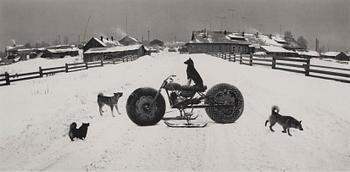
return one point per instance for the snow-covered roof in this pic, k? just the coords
(330, 53)
(205, 36)
(129, 40)
(62, 50)
(260, 53)
(269, 41)
(15, 47)
(309, 53)
(107, 43)
(113, 49)
(276, 49)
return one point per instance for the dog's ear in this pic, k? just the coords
(300, 121)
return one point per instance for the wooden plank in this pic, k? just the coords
(292, 60)
(290, 65)
(24, 74)
(53, 72)
(330, 73)
(263, 60)
(53, 68)
(329, 78)
(327, 67)
(263, 64)
(290, 70)
(2, 80)
(21, 79)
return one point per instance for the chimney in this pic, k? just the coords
(107, 38)
(112, 38)
(225, 32)
(270, 36)
(243, 34)
(101, 38)
(257, 34)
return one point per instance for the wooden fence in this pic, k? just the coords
(291, 64)
(7, 79)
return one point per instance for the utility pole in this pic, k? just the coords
(87, 23)
(148, 35)
(126, 24)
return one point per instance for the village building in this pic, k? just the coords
(330, 54)
(100, 42)
(278, 51)
(156, 43)
(218, 41)
(342, 57)
(60, 52)
(114, 53)
(308, 54)
(128, 40)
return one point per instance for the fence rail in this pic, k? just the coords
(7, 79)
(290, 64)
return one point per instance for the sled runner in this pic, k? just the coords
(223, 103)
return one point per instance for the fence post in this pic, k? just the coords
(86, 65)
(7, 78)
(273, 63)
(234, 57)
(251, 59)
(225, 57)
(40, 71)
(101, 62)
(241, 59)
(66, 67)
(307, 67)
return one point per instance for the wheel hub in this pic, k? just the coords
(146, 107)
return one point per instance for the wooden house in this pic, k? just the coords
(218, 41)
(100, 42)
(114, 53)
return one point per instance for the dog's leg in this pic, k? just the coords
(116, 107)
(112, 110)
(288, 132)
(100, 109)
(284, 130)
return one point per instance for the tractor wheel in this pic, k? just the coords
(224, 94)
(142, 109)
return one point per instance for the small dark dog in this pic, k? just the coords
(79, 133)
(286, 122)
(110, 101)
(192, 73)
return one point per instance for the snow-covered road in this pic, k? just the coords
(35, 116)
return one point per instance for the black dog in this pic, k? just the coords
(192, 73)
(80, 132)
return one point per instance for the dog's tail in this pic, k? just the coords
(275, 109)
(266, 122)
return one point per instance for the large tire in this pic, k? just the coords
(222, 94)
(140, 109)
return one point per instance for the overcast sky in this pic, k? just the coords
(43, 20)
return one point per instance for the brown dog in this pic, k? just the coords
(110, 101)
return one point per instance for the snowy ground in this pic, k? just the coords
(35, 116)
(32, 65)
